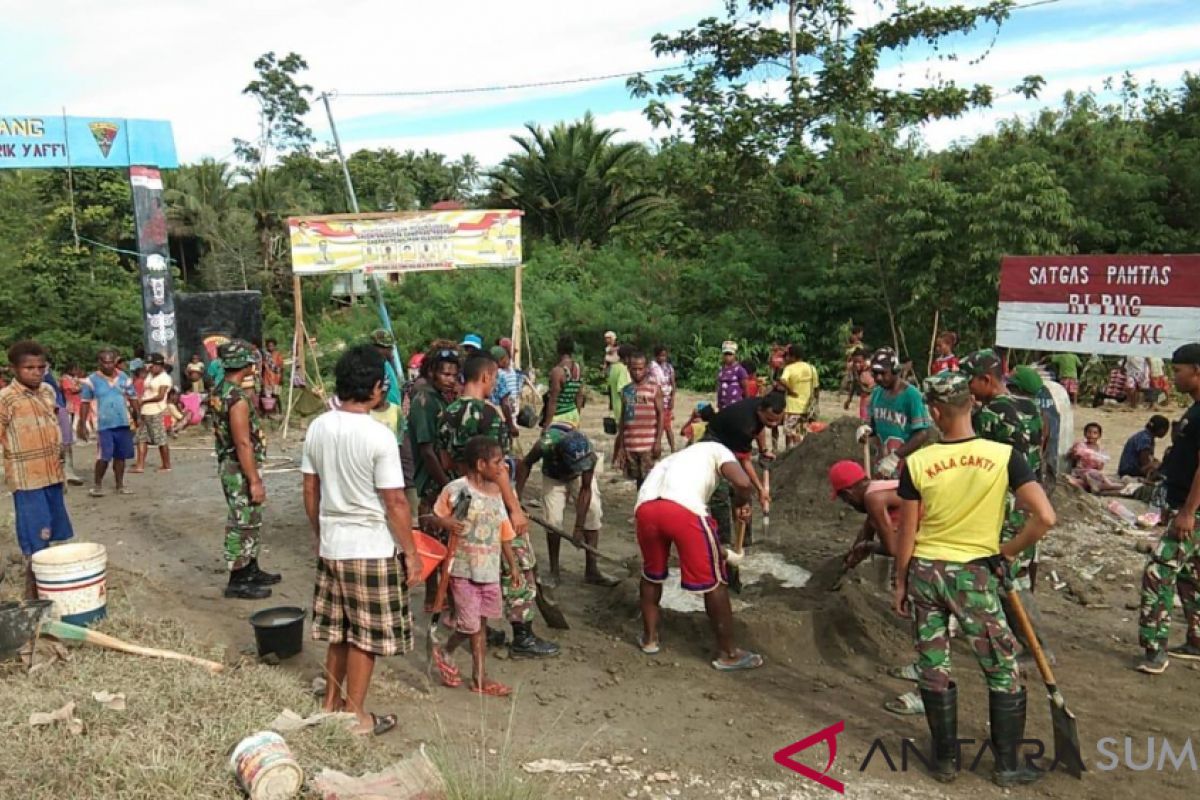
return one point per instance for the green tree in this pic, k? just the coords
(572, 182)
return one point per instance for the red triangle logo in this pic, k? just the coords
(829, 735)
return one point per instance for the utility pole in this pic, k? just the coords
(384, 317)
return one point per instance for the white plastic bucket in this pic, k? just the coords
(74, 577)
(264, 767)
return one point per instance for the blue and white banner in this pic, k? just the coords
(29, 141)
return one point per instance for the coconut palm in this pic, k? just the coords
(573, 183)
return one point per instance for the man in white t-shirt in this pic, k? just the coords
(153, 406)
(361, 523)
(672, 508)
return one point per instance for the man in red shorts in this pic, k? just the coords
(672, 508)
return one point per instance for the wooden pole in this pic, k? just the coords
(297, 349)
(518, 316)
(937, 313)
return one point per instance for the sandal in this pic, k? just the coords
(906, 673)
(446, 668)
(1187, 651)
(123, 490)
(136, 471)
(379, 725)
(649, 649)
(908, 704)
(94, 492)
(746, 660)
(492, 689)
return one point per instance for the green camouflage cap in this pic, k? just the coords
(947, 387)
(981, 362)
(236, 354)
(382, 338)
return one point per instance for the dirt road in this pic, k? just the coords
(705, 734)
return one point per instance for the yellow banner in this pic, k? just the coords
(405, 242)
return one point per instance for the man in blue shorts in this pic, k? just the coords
(32, 445)
(110, 390)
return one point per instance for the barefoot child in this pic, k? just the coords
(483, 536)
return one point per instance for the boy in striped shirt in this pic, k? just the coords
(639, 439)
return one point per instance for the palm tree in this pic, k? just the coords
(572, 182)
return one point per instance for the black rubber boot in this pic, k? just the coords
(495, 637)
(526, 644)
(241, 586)
(260, 578)
(1007, 712)
(941, 712)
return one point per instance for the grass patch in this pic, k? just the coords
(174, 739)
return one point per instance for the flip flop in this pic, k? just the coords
(649, 649)
(123, 490)
(746, 660)
(908, 704)
(93, 492)
(380, 725)
(450, 675)
(1187, 651)
(607, 581)
(492, 689)
(136, 471)
(906, 673)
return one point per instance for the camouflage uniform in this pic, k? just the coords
(244, 521)
(971, 593)
(461, 420)
(1172, 561)
(1014, 421)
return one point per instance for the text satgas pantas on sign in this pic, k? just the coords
(1113, 305)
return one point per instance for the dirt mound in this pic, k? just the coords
(800, 477)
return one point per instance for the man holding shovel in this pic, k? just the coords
(568, 473)
(672, 508)
(948, 564)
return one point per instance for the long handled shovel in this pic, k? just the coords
(739, 539)
(1066, 734)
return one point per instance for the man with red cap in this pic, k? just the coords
(879, 500)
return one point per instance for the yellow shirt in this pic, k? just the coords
(799, 377)
(962, 488)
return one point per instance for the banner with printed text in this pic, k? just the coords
(408, 242)
(1112, 305)
(33, 141)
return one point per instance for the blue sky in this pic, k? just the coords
(186, 61)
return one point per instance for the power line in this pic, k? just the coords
(510, 86)
(567, 81)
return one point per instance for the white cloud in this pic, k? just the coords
(187, 60)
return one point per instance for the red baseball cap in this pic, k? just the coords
(843, 475)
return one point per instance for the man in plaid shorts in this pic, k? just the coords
(362, 533)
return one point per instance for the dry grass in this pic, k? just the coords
(174, 739)
(484, 766)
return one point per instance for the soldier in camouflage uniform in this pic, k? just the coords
(241, 449)
(1015, 421)
(949, 562)
(1176, 558)
(473, 415)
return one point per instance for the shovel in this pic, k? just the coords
(1066, 734)
(573, 541)
(735, 572)
(766, 512)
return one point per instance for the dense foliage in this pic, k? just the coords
(760, 217)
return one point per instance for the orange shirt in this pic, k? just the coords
(31, 438)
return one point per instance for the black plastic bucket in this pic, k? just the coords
(279, 630)
(18, 624)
